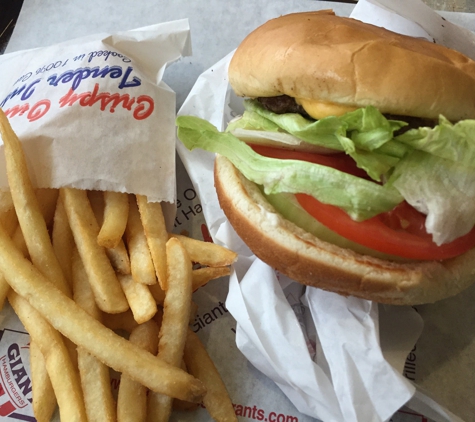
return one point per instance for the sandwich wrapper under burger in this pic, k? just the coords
(346, 363)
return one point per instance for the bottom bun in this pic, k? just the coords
(313, 262)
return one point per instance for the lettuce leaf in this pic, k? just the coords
(442, 189)
(454, 142)
(438, 177)
(356, 133)
(361, 199)
(253, 121)
(369, 129)
(431, 168)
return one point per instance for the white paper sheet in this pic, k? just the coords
(94, 113)
(416, 19)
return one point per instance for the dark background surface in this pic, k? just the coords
(9, 10)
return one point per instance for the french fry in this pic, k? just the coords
(177, 304)
(118, 255)
(82, 291)
(44, 399)
(104, 283)
(19, 241)
(27, 208)
(119, 258)
(73, 322)
(6, 203)
(7, 212)
(9, 220)
(155, 230)
(126, 322)
(36, 235)
(184, 405)
(141, 264)
(199, 363)
(202, 252)
(157, 293)
(202, 276)
(95, 381)
(63, 241)
(207, 253)
(176, 316)
(47, 199)
(95, 378)
(4, 289)
(63, 376)
(141, 301)
(132, 396)
(116, 210)
(120, 322)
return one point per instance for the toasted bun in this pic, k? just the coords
(320, 56)
(311, 261)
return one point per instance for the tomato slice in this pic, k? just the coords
(339, 160)
(399, 232)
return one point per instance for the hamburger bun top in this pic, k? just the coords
(318, 56)
(311, 261)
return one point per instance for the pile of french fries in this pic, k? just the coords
(78, 267)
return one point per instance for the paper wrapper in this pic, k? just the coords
(94, 113)
(335, 358)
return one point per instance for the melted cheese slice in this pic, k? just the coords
(319, 110)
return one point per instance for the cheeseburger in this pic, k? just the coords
(352, 168)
